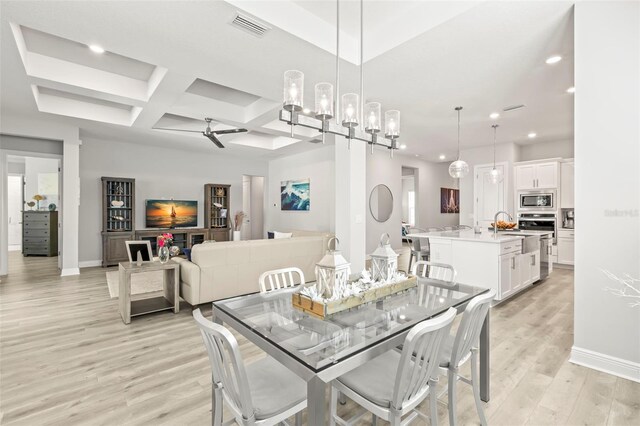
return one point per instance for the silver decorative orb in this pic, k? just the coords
(495, 176)
(458, 169)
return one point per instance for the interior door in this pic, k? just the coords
(15, 206)
(489, 197)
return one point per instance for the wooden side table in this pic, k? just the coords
(170, 286)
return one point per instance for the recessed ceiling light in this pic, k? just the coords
(95, 48)
(494, 115)
(571, 89)
(417, 155)
(554, 59)
(532, 135)
(306, 110)
(403, 146)
(442, 157)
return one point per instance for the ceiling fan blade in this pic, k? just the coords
(213, 139)
(177, 130)
(224, 132)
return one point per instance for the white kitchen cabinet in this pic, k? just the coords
(529, 268)
(536, 176)
(566, 185)
(566, 247)
(509, 275)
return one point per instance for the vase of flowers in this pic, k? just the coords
(165, 241)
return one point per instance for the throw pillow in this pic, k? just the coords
(187, 252)
(277, 235)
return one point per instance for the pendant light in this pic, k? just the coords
(459, 168)
(495, 176)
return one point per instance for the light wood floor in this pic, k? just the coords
(67, 358)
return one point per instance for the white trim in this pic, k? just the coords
(89, 263)
(70, 271)
(606, 363)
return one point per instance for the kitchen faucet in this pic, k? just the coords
(495, 222)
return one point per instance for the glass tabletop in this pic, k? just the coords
(320, 343)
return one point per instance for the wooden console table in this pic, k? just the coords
(170, 287)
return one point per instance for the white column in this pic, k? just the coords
(4, 221)
(350, 200)
(70, 206)
(607, 185)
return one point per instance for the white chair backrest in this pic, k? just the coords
(434, 271)
(414, 373)
(227, 367)
(415, 242)
(435, 229)
(469, 330)
(280, 278)
(462, 227)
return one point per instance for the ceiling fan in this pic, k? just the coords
(211, 134)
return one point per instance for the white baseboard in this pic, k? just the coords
(90, 263)
(608, 364)
(70, 271)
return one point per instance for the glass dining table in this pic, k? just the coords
(320, 350)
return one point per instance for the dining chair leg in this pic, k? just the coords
(395, 419)
(333, 409)
(341, 398)
(475, 383)
(374, 420)
(410, 261)
(433, 403)
(452, 377)
(298, 419)
(216, 405)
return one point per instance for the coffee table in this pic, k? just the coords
(170, 300)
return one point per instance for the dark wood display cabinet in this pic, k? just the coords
(217, 211)
(182, 237)
(118, 218)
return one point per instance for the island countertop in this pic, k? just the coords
(485, 237)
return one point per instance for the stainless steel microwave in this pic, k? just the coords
(538, 200)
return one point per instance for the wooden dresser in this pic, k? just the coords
(40, 233)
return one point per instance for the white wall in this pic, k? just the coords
(607, 154)
(408, 185)
(429, 178)
(159, 173)
(316, 164)
(542, 150)
(507, 152)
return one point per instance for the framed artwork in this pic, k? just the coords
(294, 195)
(143, 247)
(449, 200)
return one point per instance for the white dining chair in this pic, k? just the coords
(463, 347)
(275, 393)
(433, 270)
(393, 384)
(280, 278)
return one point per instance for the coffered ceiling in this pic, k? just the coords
(185, 61)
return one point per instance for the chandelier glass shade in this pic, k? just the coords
(293, 90)
(372, 117)
(324, 101)
(392, 124)
(350, 109)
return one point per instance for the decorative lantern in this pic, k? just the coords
(384, 261)
(332, 271)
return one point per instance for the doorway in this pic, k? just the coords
(253, 207)
(15, 195)
(409, 196)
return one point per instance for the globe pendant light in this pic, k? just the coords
(459, 168)
(495, 176)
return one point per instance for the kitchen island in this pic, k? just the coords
(507, 262)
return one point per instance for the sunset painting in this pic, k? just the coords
(171, 214)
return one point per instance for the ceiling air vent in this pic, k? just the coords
(250, 25)
(513, 107)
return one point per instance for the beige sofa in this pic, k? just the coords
(232, 268)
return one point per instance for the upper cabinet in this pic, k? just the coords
(566, 185)
(536, 176)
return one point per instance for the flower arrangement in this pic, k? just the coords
(237, 223)
(165, 240)
(39, 198)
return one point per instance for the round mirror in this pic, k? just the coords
(381, 203)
